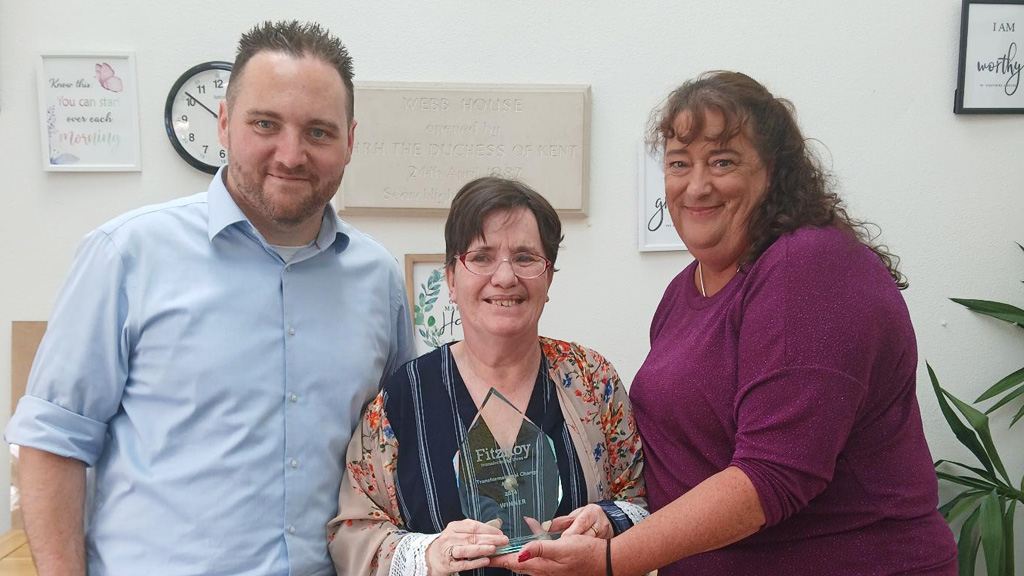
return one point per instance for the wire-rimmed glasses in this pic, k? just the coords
(525, 265)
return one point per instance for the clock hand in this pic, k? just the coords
(201, 104)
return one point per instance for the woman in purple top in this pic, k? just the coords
(777, 405)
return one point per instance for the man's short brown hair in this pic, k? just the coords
(298, 39)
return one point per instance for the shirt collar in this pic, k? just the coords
(224, 212)
(333, 230)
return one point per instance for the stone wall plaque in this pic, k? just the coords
(417, 144)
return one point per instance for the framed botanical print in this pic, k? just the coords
(435, 317)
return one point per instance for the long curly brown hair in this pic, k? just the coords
(800, 192)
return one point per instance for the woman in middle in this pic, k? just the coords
(399, 506)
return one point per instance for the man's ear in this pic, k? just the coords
(222, 123)
(351, 140)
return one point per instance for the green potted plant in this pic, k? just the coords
(987, 496)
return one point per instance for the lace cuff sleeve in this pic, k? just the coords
(411, 555)
(634, 512)
(622, 515)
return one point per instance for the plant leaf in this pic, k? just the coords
(1018, 416)
(979, 422)
(1008, 531)
(961, 503)
(945, 508)
(963, 434)
(1002, 386)
(1006, 400)
(992, 533)
(967, 544)
(982, 473)
(965, 481)
(1004, 312)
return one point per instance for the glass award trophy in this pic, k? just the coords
(506, 470)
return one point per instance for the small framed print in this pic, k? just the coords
(435, 318)
(655, 231)
(991, 58)
(88, 111)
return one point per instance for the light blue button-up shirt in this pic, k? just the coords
(212, 386)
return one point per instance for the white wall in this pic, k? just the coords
(872, 80)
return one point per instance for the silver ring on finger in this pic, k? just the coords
(450, 553)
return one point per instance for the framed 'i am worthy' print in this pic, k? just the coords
(991, 58)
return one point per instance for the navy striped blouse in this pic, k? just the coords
(430, 410)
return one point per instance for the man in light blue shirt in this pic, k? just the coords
(209, 357)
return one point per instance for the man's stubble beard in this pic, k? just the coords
(289, 216)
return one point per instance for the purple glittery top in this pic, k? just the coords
(801, 373)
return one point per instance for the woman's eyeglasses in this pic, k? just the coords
(524, 264)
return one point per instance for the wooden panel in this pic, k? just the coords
(21, 552)
(17, 567)
(25, 338)
(11, 541)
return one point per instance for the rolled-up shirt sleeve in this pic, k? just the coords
(81, 367)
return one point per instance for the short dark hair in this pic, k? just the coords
(482, 197)
(298, 39)
(800, 193)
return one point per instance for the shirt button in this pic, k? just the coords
(293, 398)
(291, 330)
(291, 529)
(294, 463)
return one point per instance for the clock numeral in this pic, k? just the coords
(218, 83)
(191, 137)
(190, 101)
(205, 149)
(202, 89)
(223, 154)
(184, 117)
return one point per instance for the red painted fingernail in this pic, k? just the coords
(525, 556)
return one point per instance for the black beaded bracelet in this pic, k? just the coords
(608, 558)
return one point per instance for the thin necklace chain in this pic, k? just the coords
(700, 276)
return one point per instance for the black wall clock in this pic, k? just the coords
(191, 115)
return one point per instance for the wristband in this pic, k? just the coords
(608, 558)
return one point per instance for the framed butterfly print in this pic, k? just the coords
(88, 111)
